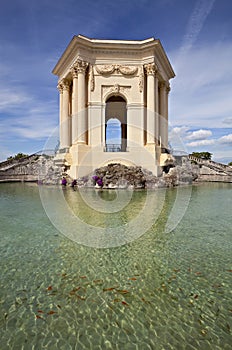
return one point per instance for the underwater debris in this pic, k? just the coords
(51, 312)
(125, 303)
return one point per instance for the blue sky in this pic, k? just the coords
(196, 35)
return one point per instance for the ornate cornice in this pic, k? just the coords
(110, 69)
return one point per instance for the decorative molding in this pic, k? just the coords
(115, 90)
(106, 69)
(110, 69)
(127, 70)
(141, 79)
(91, 78)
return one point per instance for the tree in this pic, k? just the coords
(17, 156)
(230, 163)
(202, 155)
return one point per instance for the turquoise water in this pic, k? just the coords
(163, 290)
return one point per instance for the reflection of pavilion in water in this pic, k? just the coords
(113, 104)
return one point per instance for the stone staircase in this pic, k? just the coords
(212, 171)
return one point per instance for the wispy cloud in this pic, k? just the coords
(227, 139)
(10, 99)
(228, 121)
(196, 22)
(199, 135)
(200, 143)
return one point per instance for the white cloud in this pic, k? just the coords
(196, 22)
(227, 120)
(10, 99)
(199, 135)
(201, 143)
(227, 139)
(179, 131)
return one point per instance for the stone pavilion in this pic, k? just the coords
(113, 104)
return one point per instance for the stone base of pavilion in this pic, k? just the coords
(81, 159)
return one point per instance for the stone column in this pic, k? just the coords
(75, 106)
(60, 88)
(151, 101)
(64, 114)
(156, 93)
(166, 114)
(81, 106)
(163, 117)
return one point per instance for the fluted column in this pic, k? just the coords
(60, 88)
(63, 87)
(163, 120)
(156, 94)
(150, 70)
(80, 67)
(166, 114)
(75, 106)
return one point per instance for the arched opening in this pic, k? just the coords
(113, 135)
(116, 125)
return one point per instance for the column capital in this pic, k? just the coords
(60, 87)
(79, 66)
(151, 68)
(162, 85)
(74, 72)
(168, 88)
(64, 84)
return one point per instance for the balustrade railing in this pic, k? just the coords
(113, 148)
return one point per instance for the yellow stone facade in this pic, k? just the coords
(102, 81)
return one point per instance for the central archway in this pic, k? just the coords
(116, 124)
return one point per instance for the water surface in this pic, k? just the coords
(163, 290)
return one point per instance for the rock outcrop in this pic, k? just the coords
(117, 175)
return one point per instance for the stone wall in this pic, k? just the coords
(42, 169)
(35, 168)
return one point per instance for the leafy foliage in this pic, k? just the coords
(17, 156)
(202, 155)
